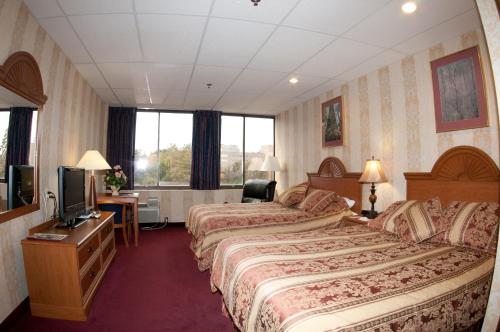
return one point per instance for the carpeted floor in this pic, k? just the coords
(154, 287)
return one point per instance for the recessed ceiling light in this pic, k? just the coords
(293, 80)
(409, 7)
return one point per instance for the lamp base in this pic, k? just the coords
(369, 214)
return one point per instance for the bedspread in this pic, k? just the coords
(349, 279)
(211, 223)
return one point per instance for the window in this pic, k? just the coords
(163, 149)
(4, 128)
(245, 140)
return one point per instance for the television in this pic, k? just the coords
(21, 186)
(71, 194)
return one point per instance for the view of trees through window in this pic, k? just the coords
(253, 143)
(4, 128)
(163, 149)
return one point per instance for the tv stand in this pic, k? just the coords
(63, 276)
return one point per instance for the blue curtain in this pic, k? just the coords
(205, 165)
(18, 137)
(121, 140)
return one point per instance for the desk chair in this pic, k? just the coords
(122, 218)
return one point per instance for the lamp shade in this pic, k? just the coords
(271, 163)
(92, 160)
(373, 172)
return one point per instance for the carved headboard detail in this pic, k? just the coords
(332, 175)
(463, 173)
(20, 73)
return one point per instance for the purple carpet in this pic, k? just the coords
(154, 287)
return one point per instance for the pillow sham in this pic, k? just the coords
(319, 200)
(473, 225)
(293, 195)
(420, 221)
(385, 220)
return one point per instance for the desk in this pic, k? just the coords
(132, 198)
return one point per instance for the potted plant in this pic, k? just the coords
(115, 179)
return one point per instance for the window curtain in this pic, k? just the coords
(18, 137)
(205, 165)
(121, 141)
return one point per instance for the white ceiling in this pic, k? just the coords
(162, 53)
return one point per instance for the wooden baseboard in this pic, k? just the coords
(22, 309)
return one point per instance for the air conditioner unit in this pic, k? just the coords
(150, 212)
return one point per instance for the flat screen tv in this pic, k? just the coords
(21, 186)
(71, 193)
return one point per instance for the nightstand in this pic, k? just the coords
(354, 220)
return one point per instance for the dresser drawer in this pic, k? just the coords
(90, 276)
(108, 228)
(108, 249)
(87, 250)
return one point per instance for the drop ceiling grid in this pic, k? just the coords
(282, 14)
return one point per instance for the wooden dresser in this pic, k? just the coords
(63, 276)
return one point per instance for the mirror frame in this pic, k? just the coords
(21, 75)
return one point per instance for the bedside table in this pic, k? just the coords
(354, 220)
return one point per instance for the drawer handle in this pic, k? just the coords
(92, 274)
(89, 250)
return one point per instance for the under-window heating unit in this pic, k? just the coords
(150, 212)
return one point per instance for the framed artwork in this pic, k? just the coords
(459, 96)
(332, 122)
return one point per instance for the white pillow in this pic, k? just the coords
(350, 202)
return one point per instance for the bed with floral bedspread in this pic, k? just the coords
(349, 279)
(211, 223)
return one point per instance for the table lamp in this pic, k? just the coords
(92, 161)
(373, 173)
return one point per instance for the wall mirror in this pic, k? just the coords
(21, 101)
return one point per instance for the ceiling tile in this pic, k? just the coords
(132, 97)
(325, 87)
(256, 81)
(445, 31)
(201, 100)
(383, 59)
(342, 54)
(44, 8)
(272, 11)
(235, 101)
(60, 30)
(331, 16)
(109, 38)
(170, 38)
(125, 75)
(79, 7)
(390, 26)
(168, 76)
(174, 99)
(92, 75)
(288, 48)
(219, 77)
(293, 90)
(232, 43)
(107, 96)
(183, 7)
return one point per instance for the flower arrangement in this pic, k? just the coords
(115, 178)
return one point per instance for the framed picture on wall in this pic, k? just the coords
(332, 122)
(459, 96)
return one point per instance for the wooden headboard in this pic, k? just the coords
(463, 173)
(332, 175)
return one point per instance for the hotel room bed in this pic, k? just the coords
(211, 223)
(358, 278)
(349, 278)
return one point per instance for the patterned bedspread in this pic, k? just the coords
(211, 223)
(349, 279)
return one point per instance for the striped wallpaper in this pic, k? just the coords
(389, 113)
(72, 121)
